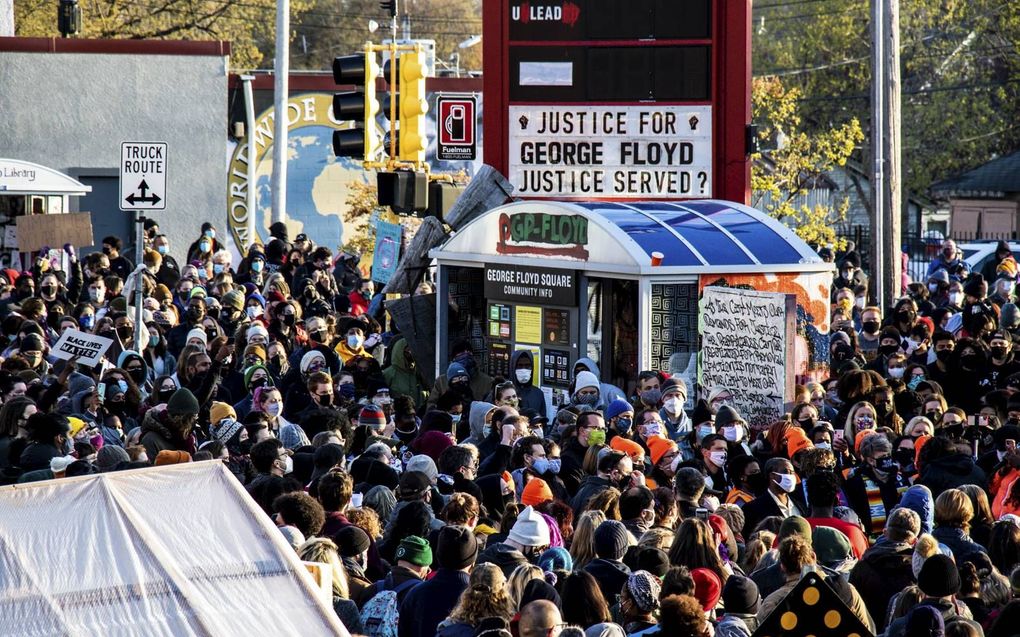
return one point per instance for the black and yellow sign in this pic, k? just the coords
(812, 609)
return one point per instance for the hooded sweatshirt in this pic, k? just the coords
(403, 380)
(530, 396)
(950, 472)
(607, 391)
(919, 500)
(476, 419)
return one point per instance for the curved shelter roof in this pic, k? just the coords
(700, 237)
(25, 178)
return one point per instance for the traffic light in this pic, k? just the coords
(412, 107)
(69, 18)
(360, 106)
(404, 191)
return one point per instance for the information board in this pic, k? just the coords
(528, 324)
(657, 151)
(747, 348)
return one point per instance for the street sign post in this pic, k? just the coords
(143, 167)
(458, 139)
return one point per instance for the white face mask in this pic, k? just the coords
(896, 372)
(822, 445)
(254, 311)
(955, 298)
(653, 430)
(673, 405)
(274, 409)
(859, 302)
(523, 376)
(354, 341)
(288, 465)
(718, 458)
(733, 434)
(786, 482)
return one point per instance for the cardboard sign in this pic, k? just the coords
(89, 348)
(35, 232)
(747, 348)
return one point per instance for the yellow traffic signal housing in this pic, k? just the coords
(413, 106)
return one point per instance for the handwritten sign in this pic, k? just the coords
(89, 348)
(747, 348)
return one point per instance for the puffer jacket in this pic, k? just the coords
(156, 435)
(919, 500)
(951, 472)
(736, 625)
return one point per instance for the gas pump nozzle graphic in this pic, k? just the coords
(454, 124)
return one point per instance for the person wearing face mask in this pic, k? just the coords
(49, 437)
(586, 390)
(620, 420)
(733, 428)
(177, 337)
(169, 272)
(875, 486)
(938, 288)
(590, 430)
(868, 338)
(944, 343)
(1002, 361)
(663, 453)
(777, 498)
(522, 365)
(674, 418)
(232, 311)
(947, 259)
(966, 369)
(269, 401)
(119, 264)
(614, 469)
(890, 342)
(273, 464)
(714, 455)
(32, 350)
(255, 376)
(205, 245)
(133, 363)
(402, 376)
(461, 353)
(748, 480)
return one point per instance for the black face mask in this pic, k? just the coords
(998, 352)
(624, 482)
(888, 350)
(904, 457)
(165, 394)
(195, 314)
(756, 483)
(227, 317)
(933, 416)
(326, 401)
(288, 319)
(944, 355)
(124, 332)
(870, 327)
(905, 316)
(970, 361)
(210, 334)
(258, 382)
(137, 375)
(48, 290)
(406, 436)
(883, 409)
(807, 423)
(886, 464)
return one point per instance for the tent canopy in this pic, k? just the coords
(25, 178)
(175, 550)
(702, 236)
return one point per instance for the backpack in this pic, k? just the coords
(381, 613)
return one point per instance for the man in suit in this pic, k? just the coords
(778, 499)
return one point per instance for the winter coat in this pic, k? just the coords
(884, 570)
(455, 629)
(403, 380)
(480, 383)
(37, 455)
(856, 490)
(590, 487)
(572, 464)
(429, 603)
(476, 420)
(610, 575)
(506, 557)
(736, 625)
(156, 436)
(964, 548)
(950, 472)
(949, 614)
(529, 395)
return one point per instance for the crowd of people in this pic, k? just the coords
(461, 507)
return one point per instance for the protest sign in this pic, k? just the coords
(35, 232)
(89, 348)
(747, 348)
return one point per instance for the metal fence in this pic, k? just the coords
(921, 249)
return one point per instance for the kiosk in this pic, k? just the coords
(618, 283)
(31, 189)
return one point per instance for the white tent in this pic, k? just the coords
(177, 550)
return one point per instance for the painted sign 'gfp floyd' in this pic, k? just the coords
(543, 234)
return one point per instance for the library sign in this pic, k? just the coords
(640, 152)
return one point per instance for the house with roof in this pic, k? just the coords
(984, 201)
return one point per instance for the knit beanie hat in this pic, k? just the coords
(415, 550)
(457, 548)
(617, 407)
(431, 444)
(536, 492)
(540, 589)
(198, 333)
(611, 540)
(310, 357)
(233, 299)
(644, 589)
(530, 529)
(727, 416)
(796, 440)
(250, 371)
(169, 456)
(586, 379)
(627, 446)
(556, 558)
(456, 370)
(425, 465)
(59, 464)
(218, 411)
(659, 446)
(653, 560)
(939, 577)
(182, 402)
(225, 430)
(352, 541)
(675, 384)
(604, 629)
(110, 456)
(976, 286)
(740, 595)
(707, 588)
(373, 416)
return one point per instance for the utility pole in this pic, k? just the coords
(281, 70)
(878, 244)
(249, 197)
(892, 197)
(6, 18)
